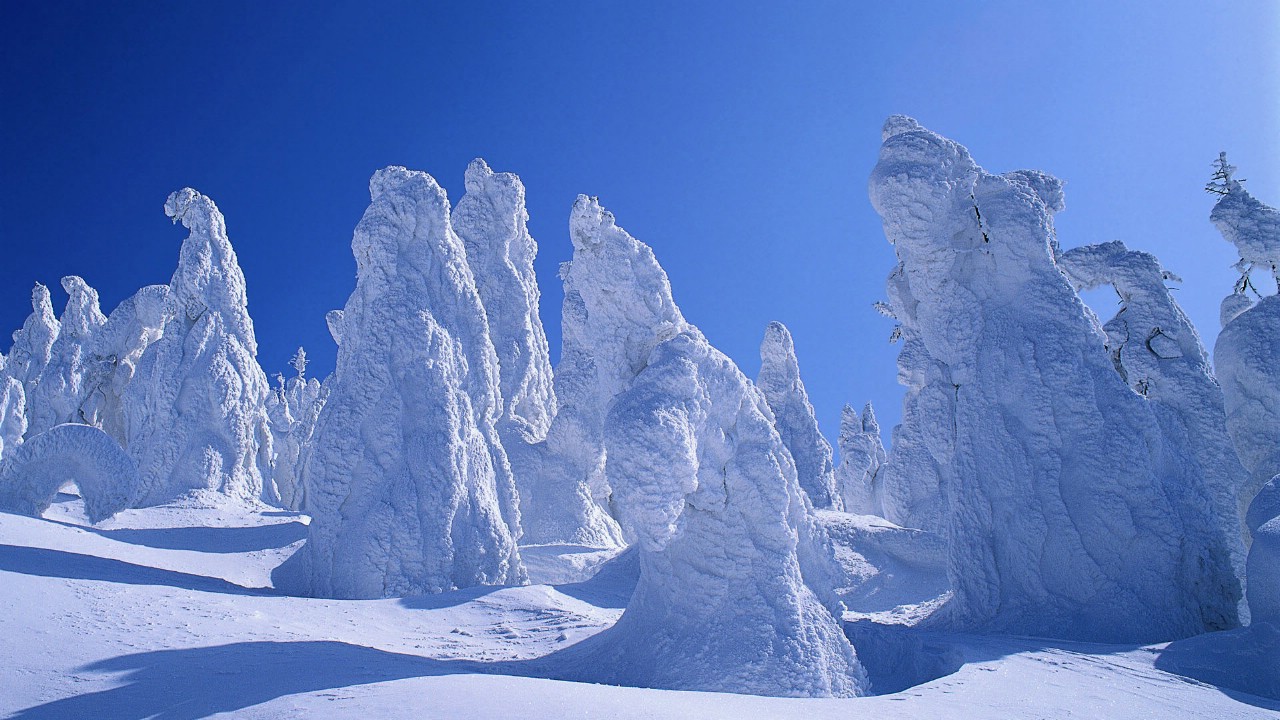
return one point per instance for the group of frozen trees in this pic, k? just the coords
(1093, 480)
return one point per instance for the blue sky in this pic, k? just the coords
(735, 138)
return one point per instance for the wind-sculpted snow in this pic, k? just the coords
(62, 387)
(861, 457)
(1073, 508)
(33, 343)
(294, 407)
(1157, 351)
(1246, 355)
(407, 483)
(194, 410)
(779, 380)
(13, 414)
(31, 475)
(114, 354)
(735, 591)
(492, 222)
(1263, 570)
(617, 306)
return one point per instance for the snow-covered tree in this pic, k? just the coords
(407, 482)
(195, 409)
(113, 357)
(33, 343)
(62, 387)
(779, 380)
(861, 457)
(13, 414)
(1072, 509)
(734, 592)
(293, 408)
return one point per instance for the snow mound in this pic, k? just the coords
(862, 456)
(892, 575)
(194, 411)
(407, 482)
(735, 580)
(1072, 511)
(31, 475)
(779, 380)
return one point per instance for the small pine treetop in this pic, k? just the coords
(299, 362)
(1220, 183)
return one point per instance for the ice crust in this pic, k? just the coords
(862, 456)
(779, 380)
(1029, 414)
(408, 484)
(735, 583)
(194, 411)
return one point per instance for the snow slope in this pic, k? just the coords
(162, 612)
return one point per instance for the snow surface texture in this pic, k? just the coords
(31, 475)
(735, 580)
(61, 388)
(407, 482)
(862, 456)
(779, 380)
(114, 354)
(194, 410)
(492, 222)
(1038, 419)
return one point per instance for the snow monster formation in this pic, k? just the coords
(1072, 511)
(194, 411)
(734, 590)
(1263, 570)
(114, 354)
(13, 413)
(407, 483)
(294, 407)
(861, 457)
(31, 475)
(62, 387)
(492, 223)
(33, 343)
(779, 380)
(1246, 355)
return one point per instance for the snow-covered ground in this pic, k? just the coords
(167, 613)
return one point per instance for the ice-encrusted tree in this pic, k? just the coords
(1263, 570)
(63, 385)
(32, 474)
(195, 409)
(492, 222)
(779, 380)
(1072, 511)
(293, 408)
(407, 482)
(33, 343)
(735, 576)
(13, 413)
(113, 357)
(861, 457)
(1246, 356)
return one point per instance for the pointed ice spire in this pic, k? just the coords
(194, 411)
(861, 456)
(57, 397)
(779, 380)
(406, 480)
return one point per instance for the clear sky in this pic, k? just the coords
(735, 138)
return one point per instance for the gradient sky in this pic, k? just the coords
(735, 138)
